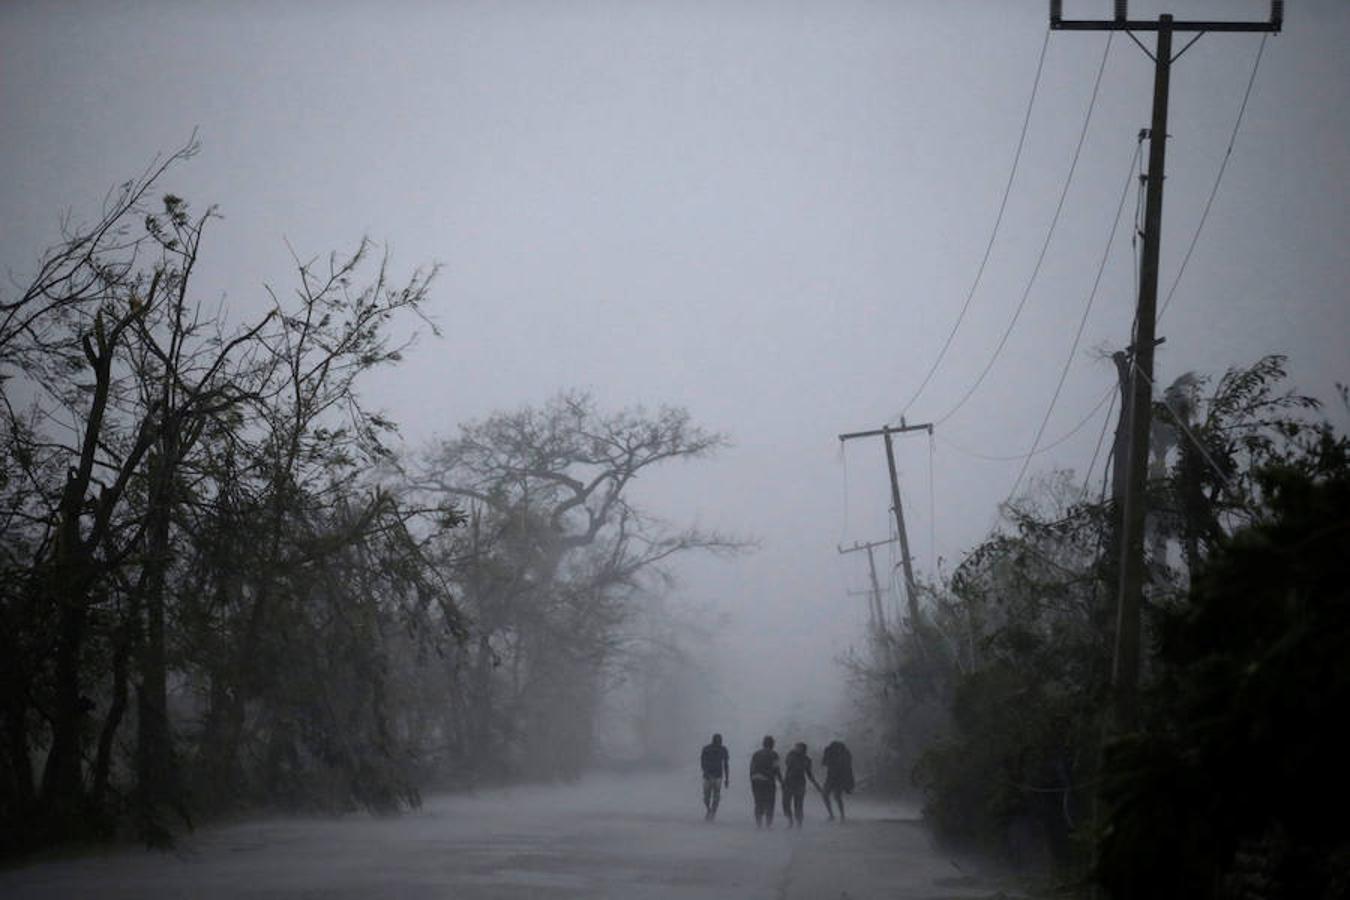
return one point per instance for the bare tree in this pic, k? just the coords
(558, 552)
(152, 454)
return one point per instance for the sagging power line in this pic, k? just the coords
(993, 233)
(1045, 244)
(1082, 322)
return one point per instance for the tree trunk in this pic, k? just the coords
(233, 695)
(63, 777)
(116, 710)
(224, 717)
(480, 700)
(67, 586)
(14, 720)
(156, 778)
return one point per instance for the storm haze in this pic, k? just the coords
(776, 216)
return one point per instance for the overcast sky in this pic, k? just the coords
(768, 212)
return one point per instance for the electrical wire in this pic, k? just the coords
(1218, 178)
(1190, 249)
(932, 513)
(1018, 457)
(1138, 224)
(1082, 322)
(1049, 234)
(1101, 439)
(1101, 532)
(998, 220)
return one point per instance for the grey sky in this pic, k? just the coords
(769, 212)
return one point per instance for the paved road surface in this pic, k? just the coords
(639, 837)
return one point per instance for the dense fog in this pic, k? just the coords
(405, 403)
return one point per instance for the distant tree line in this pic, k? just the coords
(222, 587)
(997, 703)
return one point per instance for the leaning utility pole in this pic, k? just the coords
(911, 590)
(1125, 670)
(878, 611)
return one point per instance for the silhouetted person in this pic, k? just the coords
(796, 773)
(765, 775)
(716, 764)
(838, 763)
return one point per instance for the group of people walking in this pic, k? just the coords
(768, 773)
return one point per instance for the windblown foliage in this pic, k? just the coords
(1225, 790)
(1010, 667)
(218, 590)
(204, 586)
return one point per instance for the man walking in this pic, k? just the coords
(765, 776)
(838, 763)
(716, 775)
(796, 773)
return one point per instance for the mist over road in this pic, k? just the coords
(637, 837)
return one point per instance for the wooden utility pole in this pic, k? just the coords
(1125, 670)
(878, 611)
(911, 590)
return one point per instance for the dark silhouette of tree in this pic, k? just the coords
(173, 488)
(1225, 791)
(1017, 658)
(555, 556)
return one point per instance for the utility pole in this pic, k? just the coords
(911, 590)
(1125, 669)
(878, 611)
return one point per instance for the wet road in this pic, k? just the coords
(639, 837)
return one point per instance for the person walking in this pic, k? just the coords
(838, 763)
(716, 763)
(765, 776)
(796, 773)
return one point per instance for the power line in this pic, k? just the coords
(1217, 178)
(1101, 438)
(1138, 220)
(1045, 246)
(1082, 322)
(932, 513)
(1101, 501)
(998, 220)
(1209, 203)
(1017, 457)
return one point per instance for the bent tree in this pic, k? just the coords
(170, 482)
